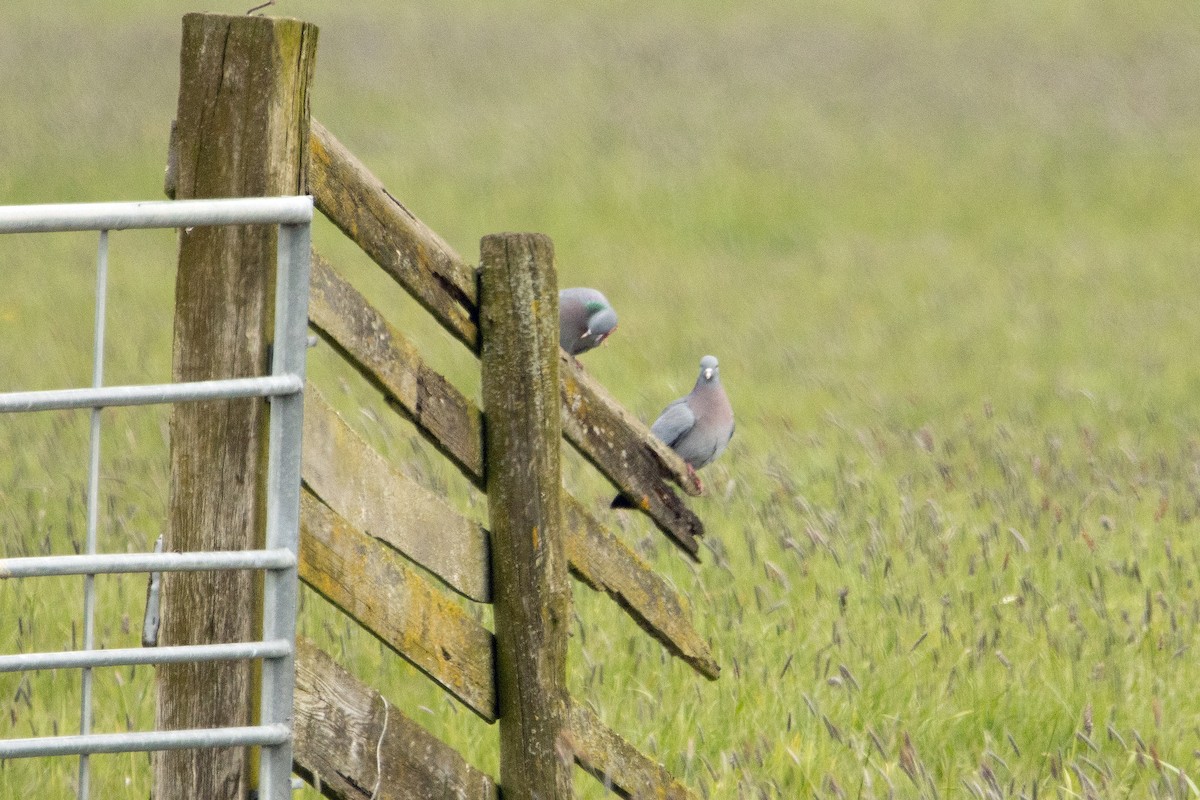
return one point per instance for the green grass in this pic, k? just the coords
(945, 253)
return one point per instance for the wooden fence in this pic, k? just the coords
(243, 128)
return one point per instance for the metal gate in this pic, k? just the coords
(284, 386)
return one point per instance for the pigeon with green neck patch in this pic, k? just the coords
(585, 319)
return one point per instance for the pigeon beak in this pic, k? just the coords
(708, 374)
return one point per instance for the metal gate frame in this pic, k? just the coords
(284, 386)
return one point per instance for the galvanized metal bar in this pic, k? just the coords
(141, 395)
(280, 588)
(123, 657)
(140, 741)
(279, 557)
(155, 214)
(93, 507)
(109, 563)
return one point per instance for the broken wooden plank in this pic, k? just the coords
(450, 421)
(377, 588)
(615, 762)
(368, 492)
(352, 744)
(356, 201)
(605, 563)
(627, 453)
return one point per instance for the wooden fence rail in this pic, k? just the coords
(397, 558)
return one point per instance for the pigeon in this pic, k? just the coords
(585, 319)
(697, 427)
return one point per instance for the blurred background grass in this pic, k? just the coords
(945, 252)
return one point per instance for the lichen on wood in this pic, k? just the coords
(365, 489)
(376, 587)
(532, 596)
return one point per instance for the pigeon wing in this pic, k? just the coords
(674, 422)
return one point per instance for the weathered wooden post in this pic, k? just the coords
(242, 131)
(519, 324)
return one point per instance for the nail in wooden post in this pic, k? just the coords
(242, 132)
(519, 325)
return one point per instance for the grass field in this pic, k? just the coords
(946, 253)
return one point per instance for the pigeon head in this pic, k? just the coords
(709, 373)
(585, 319)
(602, 321)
